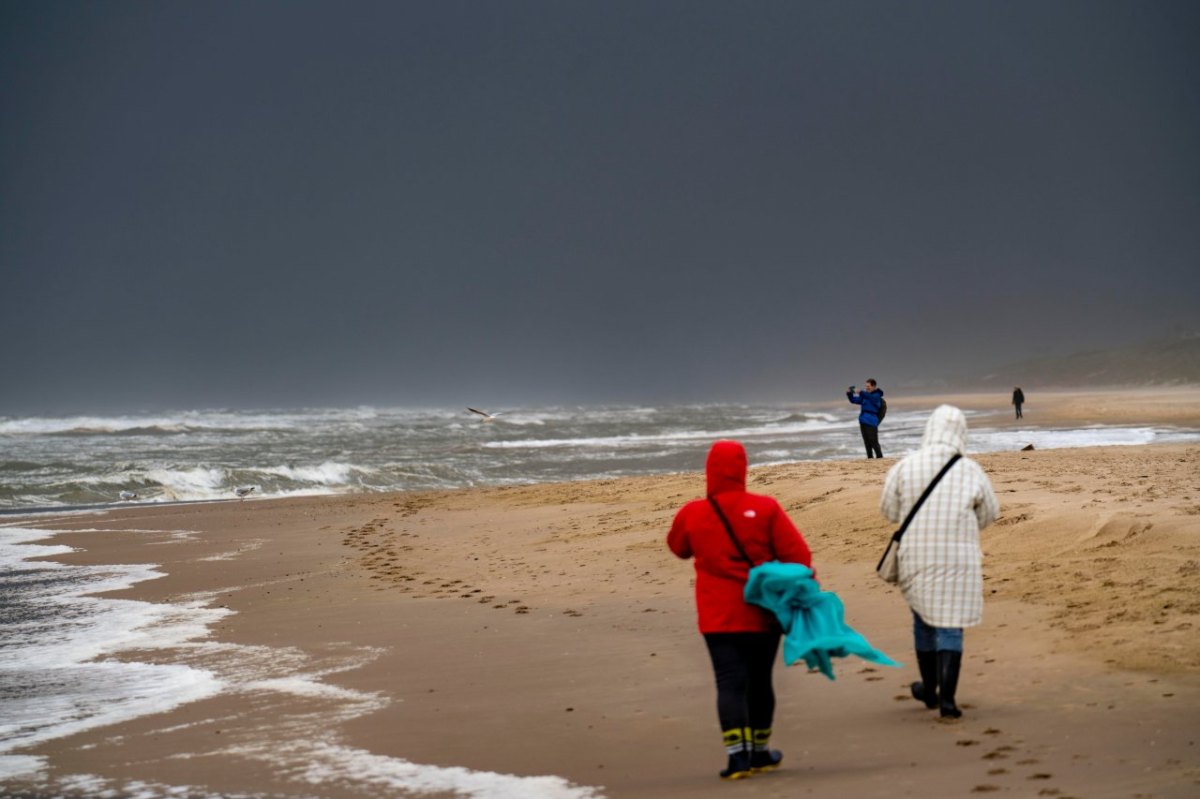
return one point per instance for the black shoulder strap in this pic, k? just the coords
(928, 491)
(729, 529)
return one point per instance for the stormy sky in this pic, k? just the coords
(232, 204)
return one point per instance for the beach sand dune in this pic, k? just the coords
(545, 630)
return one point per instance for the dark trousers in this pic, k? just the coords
(742, 664)
(1018, 409)
(870, 435)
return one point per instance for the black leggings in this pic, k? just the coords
(870, 435)
(742, 664)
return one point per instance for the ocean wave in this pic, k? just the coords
(327, 451)
(198, 482)
(776, 430)
(328, 473)
(190, 421)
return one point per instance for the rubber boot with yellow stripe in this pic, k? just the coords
(738, 746)
(763, 758)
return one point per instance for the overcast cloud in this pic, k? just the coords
(299, 203)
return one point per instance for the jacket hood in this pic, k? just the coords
(947, 426)
(726, 467)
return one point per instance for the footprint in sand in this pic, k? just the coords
(985, 788)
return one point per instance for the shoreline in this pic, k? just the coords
(543, 630)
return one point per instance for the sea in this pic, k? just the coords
(68, 654)
(62, 462)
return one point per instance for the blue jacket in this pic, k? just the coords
(870, 402)
(813, 623)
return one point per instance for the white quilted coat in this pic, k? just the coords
(941, 564)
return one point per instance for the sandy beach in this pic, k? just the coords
(382, 644)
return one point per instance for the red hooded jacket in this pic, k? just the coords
(762, 527)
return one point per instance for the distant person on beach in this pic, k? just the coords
(941, 563)
(1018, 401)
(742, 639)
(871, 400)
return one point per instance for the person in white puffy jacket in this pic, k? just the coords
(941, 563)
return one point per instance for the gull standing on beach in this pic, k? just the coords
(244, 491)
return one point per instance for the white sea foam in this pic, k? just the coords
(991, 440)
(198, 482)
(96, 787)
(23, 766)
(327, 763)
(767, 431)
(55, 683)
(1009, 439)
(329, 473)
(64, 700)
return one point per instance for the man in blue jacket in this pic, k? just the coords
(871, 399)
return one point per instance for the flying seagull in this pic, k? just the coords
(487, 417)
(243, 491)
(128, 495)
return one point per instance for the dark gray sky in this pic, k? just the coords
(499, 203)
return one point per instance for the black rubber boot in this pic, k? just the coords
(765, 760)
(949, 664)
(739, 766)
(927, 689)
(739, 745)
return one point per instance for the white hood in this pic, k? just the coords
(947, 426)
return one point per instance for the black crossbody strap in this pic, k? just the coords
(928, 491)
(729, 529)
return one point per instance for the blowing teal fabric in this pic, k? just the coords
(813, 621)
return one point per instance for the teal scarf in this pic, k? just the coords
(813, 621)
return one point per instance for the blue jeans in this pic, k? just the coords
(936, 639)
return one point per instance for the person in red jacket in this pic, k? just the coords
(742, 639)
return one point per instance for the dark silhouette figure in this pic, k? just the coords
(1018, 401)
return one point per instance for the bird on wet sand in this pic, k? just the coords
(244, 491)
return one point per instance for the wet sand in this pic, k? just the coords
(545, 630)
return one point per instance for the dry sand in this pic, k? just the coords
(545, 630)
